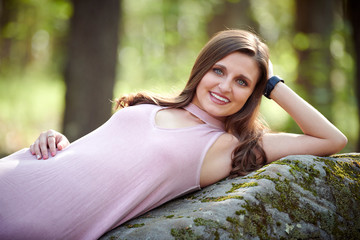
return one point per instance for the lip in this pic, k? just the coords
(217, 100)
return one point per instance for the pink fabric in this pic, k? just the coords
(122, 169)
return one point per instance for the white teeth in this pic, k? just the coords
(219, 98)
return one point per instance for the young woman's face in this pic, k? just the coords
(225, 88)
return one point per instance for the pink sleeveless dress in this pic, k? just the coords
(121, 170)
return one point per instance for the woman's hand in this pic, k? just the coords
(51, 140)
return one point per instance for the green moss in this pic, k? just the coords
(286, 200)
(190, 197)
(236, 228)
(355, 156)
(220, 199)
(242, 185)
(260, 170)
(345, 192)
(170, 216)
(211, 227)
(256, 222)
(327, 220)
(253, 220)
(344, 169)
(207, 223)
(260, 219)
(344, 179)
(304, 174)
(184, 234)
(240, 212)
(135, 225)
(296, 233)
(262, 176)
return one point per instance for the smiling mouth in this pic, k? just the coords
(222, 100)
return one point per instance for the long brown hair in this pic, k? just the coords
(245, 124)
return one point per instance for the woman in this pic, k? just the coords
(156, 149)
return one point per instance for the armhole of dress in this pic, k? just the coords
(153, 115)
(203, 154)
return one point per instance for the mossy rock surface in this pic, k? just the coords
(297, 197)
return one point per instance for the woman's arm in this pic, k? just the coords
(51, 140)
(320, 136)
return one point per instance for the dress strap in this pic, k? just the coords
(204, 116)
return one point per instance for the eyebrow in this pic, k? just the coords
(241, 75)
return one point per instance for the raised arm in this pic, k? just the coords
(320, 137)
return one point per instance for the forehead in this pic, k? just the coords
(240, 64)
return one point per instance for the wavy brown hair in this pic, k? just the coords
(245, 124)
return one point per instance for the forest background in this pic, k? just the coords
(62, 61)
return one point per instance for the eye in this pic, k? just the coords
(241, 82)
(218, 71)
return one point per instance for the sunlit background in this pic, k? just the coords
(159, 41)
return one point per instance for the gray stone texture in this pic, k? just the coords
(296, 197)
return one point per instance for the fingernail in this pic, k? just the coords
(38, 156)
(52, 153)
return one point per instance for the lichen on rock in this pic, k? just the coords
(297, 197)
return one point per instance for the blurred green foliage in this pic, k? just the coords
(159, 43)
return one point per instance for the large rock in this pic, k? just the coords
(297, 197)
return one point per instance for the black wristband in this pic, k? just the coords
(271, 83)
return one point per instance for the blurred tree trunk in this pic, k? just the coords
(91, 65)
(232, 14)
(5, 18)
(353, 12)
(8, 13)
(314, 24)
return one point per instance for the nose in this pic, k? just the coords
(225, 86)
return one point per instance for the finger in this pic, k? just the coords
(43, 145)
(32, 149)
(37, 149)
(63, 142)
(51, 141)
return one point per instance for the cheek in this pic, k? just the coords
(203, 86)
(209, 81)
(242, 95)
(240, 103)
(199, 89)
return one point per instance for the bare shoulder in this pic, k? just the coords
(217, 163)
(226, 141)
